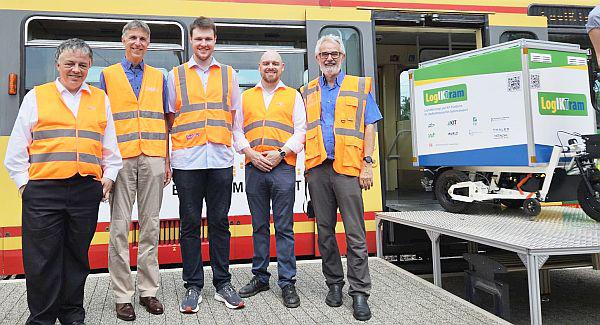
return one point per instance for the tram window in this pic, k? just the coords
(246, 65)
(352, 65)
(514, 35)
(404, 113)
(44, 34)
(242, 45)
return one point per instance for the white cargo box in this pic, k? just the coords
(504, 105)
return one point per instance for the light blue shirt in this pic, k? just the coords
(135, 75)
(210, 155)
(328, 97)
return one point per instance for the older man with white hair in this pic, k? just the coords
(340, 139)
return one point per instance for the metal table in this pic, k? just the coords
(556, 231)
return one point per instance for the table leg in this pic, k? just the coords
(379, 236)
(435, 257)
(533, 263)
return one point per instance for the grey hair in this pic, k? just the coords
(330, 38)
(74, 45)
(136, 24)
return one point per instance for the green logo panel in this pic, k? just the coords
(562, 104)
(445, 95)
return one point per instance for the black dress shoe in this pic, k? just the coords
(334, 296)
(290, 296)
(253, 287)
(361, 307)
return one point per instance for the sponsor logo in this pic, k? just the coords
(445, 95)
(431, 125)
(453, 133)
(562, 104)
(452, 122)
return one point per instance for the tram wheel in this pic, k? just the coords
(589, 202)
(443, 184)
(532, 207)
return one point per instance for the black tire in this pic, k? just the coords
(589, 202)
(532, 207)
(443, 183)
(513, 204)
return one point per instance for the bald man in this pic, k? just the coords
(271, 129)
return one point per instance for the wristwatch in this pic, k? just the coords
(281, 153)
(368, 159)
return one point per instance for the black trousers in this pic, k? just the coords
(193, 187)
(59, 221)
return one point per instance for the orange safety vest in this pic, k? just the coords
(269, 129)
(202, 115)
(139, 122)
(348, 125)
(64, 145)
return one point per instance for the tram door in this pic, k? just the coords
(402, 41)
(354, 27)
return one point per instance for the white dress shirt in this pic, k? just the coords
(209, 155)
(295, 142)
(17, 155)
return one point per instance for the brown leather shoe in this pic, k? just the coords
(125, 311)
(153, 306)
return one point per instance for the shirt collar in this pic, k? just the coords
(192, 62)
(280, 85)
(129, 66)
(338, 80)
(62, 89)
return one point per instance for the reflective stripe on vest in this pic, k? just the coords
(348, 125)
(204, 114)
(64, 145)
(139, 121)
(269, 129)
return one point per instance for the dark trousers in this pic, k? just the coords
(328, 192)
(59, 221)
(262, 188)
(193, 187)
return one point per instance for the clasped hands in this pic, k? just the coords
(265, 161)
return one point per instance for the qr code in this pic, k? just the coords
(514, 83)
(534, 81)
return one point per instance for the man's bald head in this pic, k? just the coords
(271, 67)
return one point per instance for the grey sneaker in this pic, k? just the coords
(230, 297)
(191, 302)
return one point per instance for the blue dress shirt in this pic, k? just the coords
(328, 98)
(135, 75)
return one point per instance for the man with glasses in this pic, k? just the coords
(340, 139)
(137, 94)
(63, 156)
(274, 125)
(203, 97)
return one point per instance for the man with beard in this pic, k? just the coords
(63, 156)
(340, 139)
(274, 126)
(203, 97)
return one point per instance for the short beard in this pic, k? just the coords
(331, 70)
(269, 79)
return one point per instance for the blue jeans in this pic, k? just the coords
(194, 186)
(277, 186)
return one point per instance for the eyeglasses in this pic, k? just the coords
(325, 55)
